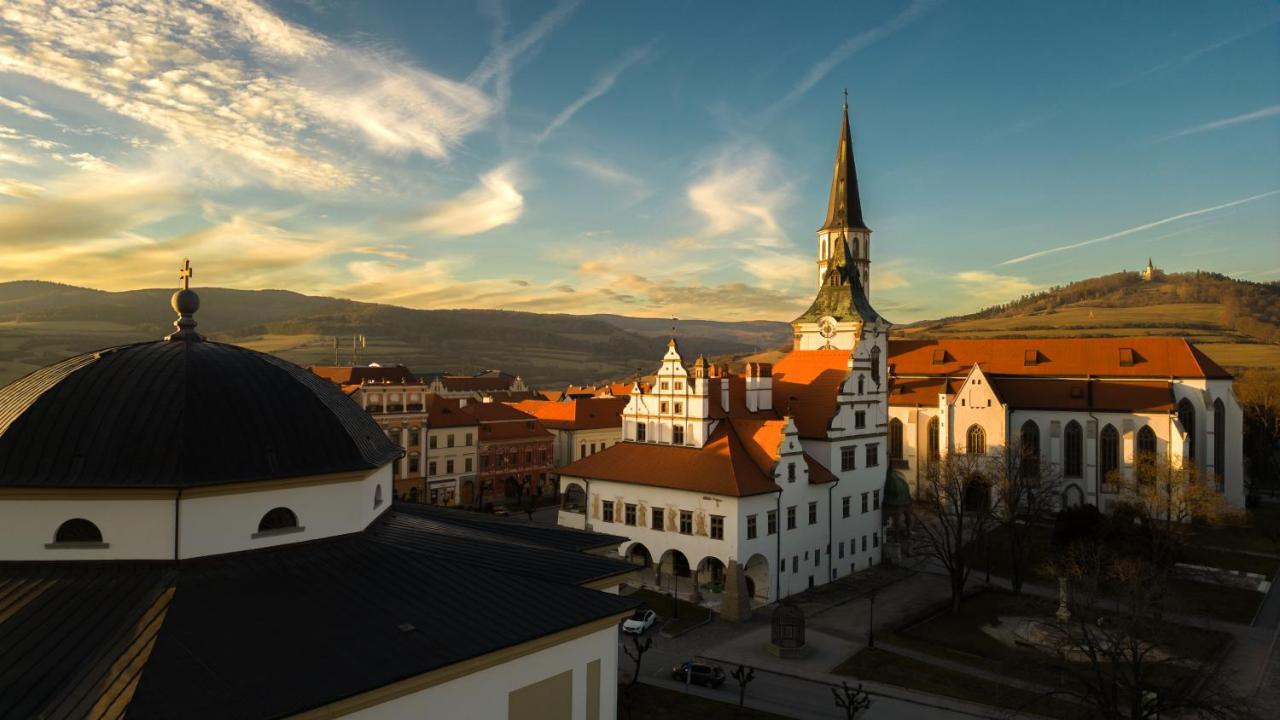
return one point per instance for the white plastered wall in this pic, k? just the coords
(132, 528)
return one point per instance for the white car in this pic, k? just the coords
(640, 621)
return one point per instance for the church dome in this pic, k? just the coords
(180, 412)
(897, 494)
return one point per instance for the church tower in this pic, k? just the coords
(841, 316)
(844, 225)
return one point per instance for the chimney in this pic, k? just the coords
(724, 392)
(753, 388)
(764, 380)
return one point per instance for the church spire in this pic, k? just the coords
(844, 209)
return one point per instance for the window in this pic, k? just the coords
(469, 440)
(393, 434)
(484, 461)
(976, 440)
(848, 458)
(864, 543)
(860, 384)
(783, 566)
(1146, 456)
(1187, 416)
(875, 500)
(895, 439)
(678, 386)
(791, 472)
(842, 549)
(377, 495)
(1109, 460)
(448, 467)
(640, 428)
(751, 527)
(467, 463)
(431, 468)
(528, 457)
(791, 518)
(679, 407)
(875, 364)
(813, 513)
(817, 557)
(582, 451)
(593, 448)
(663, 406)
(431, 441)
(686, 522)
(629, 514)
(78, 530)
(1029, 439)
(859, 419)
(1073, 450)
(795, 563)
(717, 527)
(875, 539)
(873, 455)
(864, 502)
(934, 448)
(278, 519)
(844, 506)
(1219, 441)
(677, 434)
(664, 385)
(773, 522)
(608, 511)
(413, 437)
(448, 440)
(656, 519)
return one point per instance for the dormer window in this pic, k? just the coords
(1030, 357)
(77, 533)
(939, 357)
(278, 521)
(1127, 357)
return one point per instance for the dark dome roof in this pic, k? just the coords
(180, 413)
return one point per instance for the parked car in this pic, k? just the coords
(500, 511)
(699, 673)
(639, 622)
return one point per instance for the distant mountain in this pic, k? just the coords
(42, 322)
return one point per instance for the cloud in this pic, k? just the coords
(499, 64)
(883, 279)
(601, 170)
(24, 108)
(820, 69)
(1264, 113)
(96, 207)
(990, 288)
(1138, 228)
(230, 76)
(603, 83)
(773, 268)
(493, 203)
(19, 189)
(741, 191)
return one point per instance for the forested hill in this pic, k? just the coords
(1235, 321)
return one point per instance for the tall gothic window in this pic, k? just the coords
(1219, 441)
(1030, 449)
(895, 439)
(1187, 416)
(975, 440)
(1146, 458)
(1073, 450)
(1109, 451)
(935, 446)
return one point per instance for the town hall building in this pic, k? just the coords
(787, 474)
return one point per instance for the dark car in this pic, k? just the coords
(699, 673)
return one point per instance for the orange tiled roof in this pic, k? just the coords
(354, 375)
(1107, 395)
(737, 461)
(920, 391)
(1055, 357)
(446, 412)
(812, 378)
(580, 414)
(459, 383)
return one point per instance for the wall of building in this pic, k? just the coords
(485, 695)
(133, 527)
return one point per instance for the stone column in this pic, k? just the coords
(735, 604)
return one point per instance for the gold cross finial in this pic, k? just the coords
(185, 273)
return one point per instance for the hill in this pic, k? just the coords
(1235, 322)
(42, 322)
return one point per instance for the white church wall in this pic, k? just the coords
(133, 527)
(484, 695)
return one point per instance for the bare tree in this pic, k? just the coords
(1174, 493)
(851, 700)
(640, 650)
(954, 508)
(744, 675)
(1024, 492)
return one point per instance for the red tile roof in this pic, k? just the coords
(737, 461)
(580, 414)
(912, 392)
(500, 421)
(813, 378)
(447, 412)
(1106, 395)
(354, 375)
(1055, 357)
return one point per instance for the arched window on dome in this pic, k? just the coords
(975, 440)
(78, 531)
(377, 495)
(278, 521)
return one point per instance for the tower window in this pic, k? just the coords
(78, 531)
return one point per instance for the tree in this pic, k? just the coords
(744, 675)
(1258, 391)
(1119, 662)
(1174, 494)
(851, 700)
(1024, 490)
(638, 655)
(954, 508)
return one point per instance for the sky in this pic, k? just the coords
(640, 158)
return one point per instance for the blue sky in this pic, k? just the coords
(639, 158)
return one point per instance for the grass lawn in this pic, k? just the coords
(1198, 555)
(883, 666)
(660, 603)
(647, 702)
(1224, 603)
(1260, 534)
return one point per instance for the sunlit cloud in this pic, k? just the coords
(492, 203)
(24, 107)
(18, 188)
(1264, 113)
(499, 64)
(742, 190)
(991, 288)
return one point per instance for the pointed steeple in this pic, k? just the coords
(844, 209)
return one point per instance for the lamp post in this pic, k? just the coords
(871, 621)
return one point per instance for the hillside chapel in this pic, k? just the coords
(778, 479)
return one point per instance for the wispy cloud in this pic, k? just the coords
(820, 69)
(989, 287)
(18, 188)
(1262, 114)
(492, 203)
(602, 170)
(500, 63)
(603, 83)
(1138, 228)
(742, 190)
(25, 108)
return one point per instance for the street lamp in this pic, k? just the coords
(871, 621)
